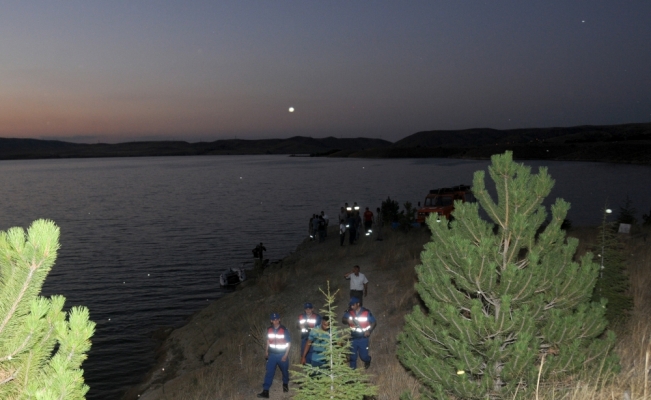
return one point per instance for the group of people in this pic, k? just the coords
(318, 226)
(315, 335)
(352, 222)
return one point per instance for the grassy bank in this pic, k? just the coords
(219, 353)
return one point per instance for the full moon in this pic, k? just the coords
(291, 109)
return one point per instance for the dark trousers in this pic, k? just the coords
(275, 360)
(352, 235)
(359, 346)
(342, 237)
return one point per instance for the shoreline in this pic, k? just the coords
(220, 347)
(203, 341)
(641, 155)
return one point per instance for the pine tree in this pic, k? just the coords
(390, 210)
(40, 351)
(499, 297)
(627, 212)
(613, 283)
(406, 217)
(335, 380)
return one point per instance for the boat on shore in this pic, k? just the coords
(233, 277)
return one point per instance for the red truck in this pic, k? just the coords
(441, 201)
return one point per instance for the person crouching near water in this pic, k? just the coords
(277, 355)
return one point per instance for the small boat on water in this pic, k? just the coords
(233, 277)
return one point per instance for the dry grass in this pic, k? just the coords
(235, 362)
(634, 341)
(275, 282)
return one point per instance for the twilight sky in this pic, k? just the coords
(115, 71)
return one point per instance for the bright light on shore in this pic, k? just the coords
(291, 109)
(608, 211)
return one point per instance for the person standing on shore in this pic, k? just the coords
(277, 355)
(307, 321)
(368, 221)
(327, 221)
(315, 226)
(361, 323)
(358, 225)
(258, 254)
(352, 230)
(358, 284)
(378, 224)
(343, 215)
(322, 229)
(342, 232)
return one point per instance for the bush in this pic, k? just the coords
(646, 219)
(627, 213)
(406, 217)
(390, 210)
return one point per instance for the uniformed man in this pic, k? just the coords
(307, 321)
(362, 323)
(277, 355)
(317, 343)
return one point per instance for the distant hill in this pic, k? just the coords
(628, 143)
(486, 136)
(32, 148)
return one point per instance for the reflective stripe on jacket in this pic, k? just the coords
(359, 323)
(277, 339)
(306, 322)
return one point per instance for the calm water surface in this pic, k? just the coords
(143, 240)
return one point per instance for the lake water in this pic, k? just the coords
(143, 240)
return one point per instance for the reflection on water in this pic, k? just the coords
(143, 240)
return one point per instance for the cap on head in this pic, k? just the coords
(274, 316)
(353, 301)
(308, 305)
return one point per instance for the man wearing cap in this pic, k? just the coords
(358, 284)
(277, 354)
(362, 323)
(307, 321)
